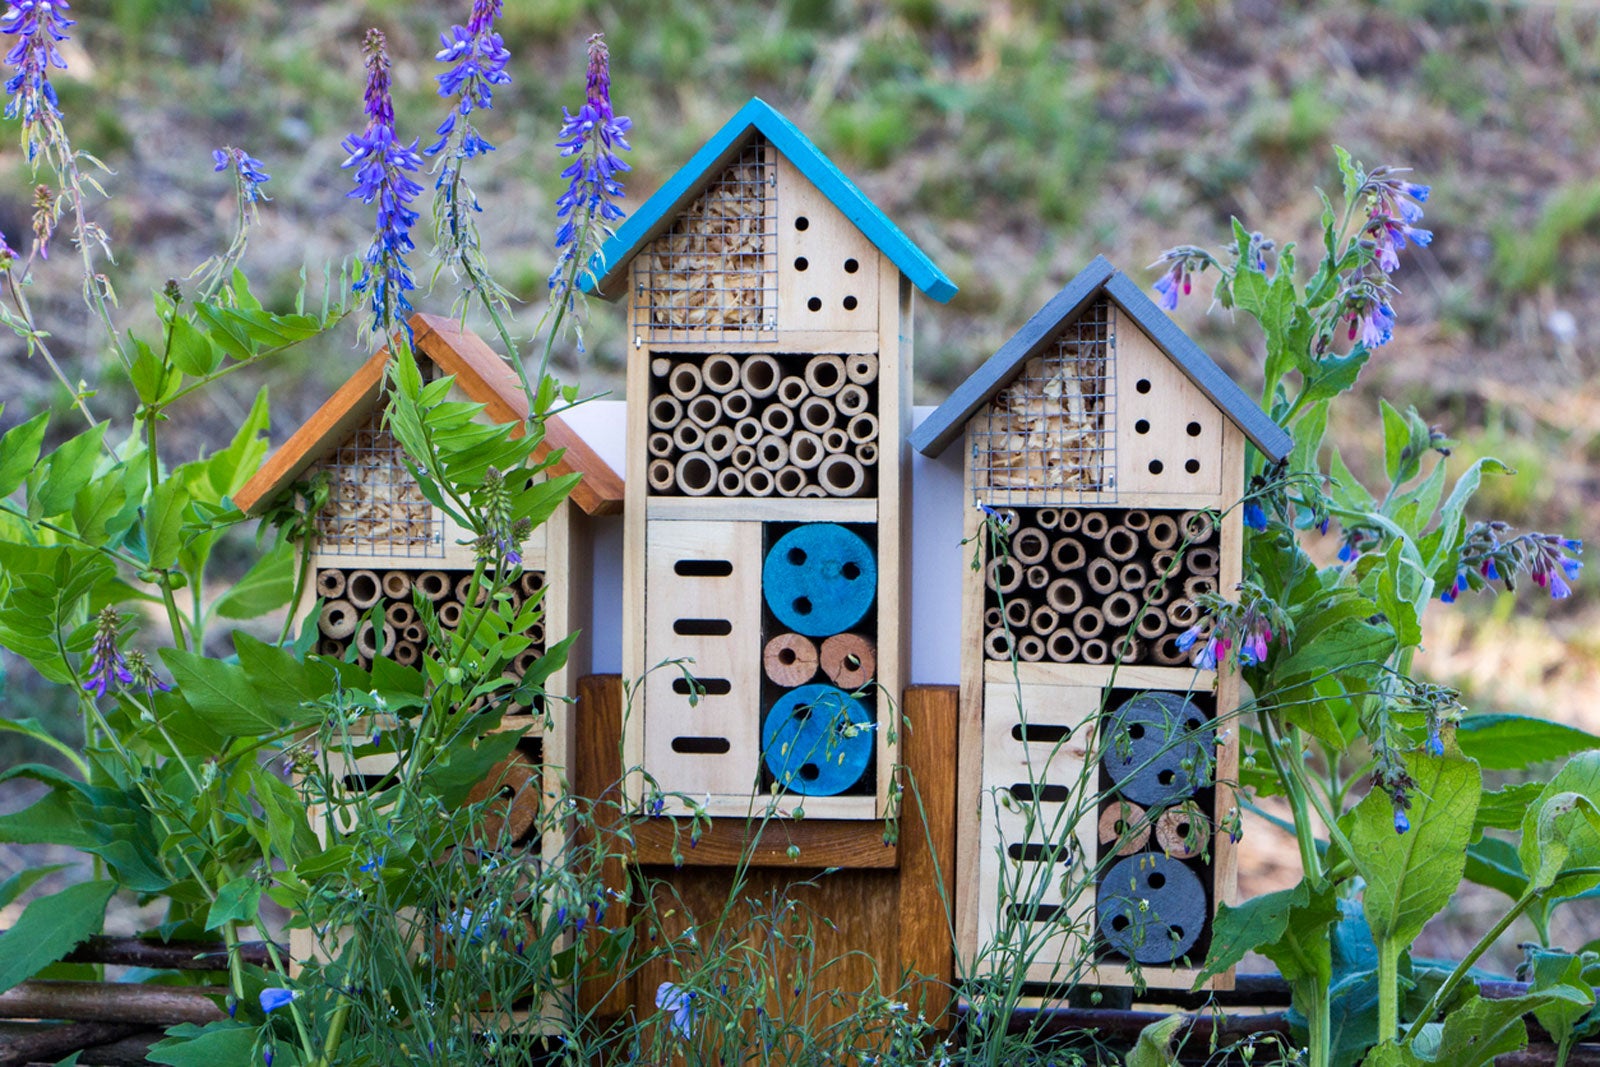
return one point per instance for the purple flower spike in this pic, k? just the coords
(382, 163)
(107, 665)
(39, 25)
(478, 58)
(1371, 320)
(251, 175)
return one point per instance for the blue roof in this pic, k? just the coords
(949, 419)
(657, 213)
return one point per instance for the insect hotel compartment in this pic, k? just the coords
(375, 507)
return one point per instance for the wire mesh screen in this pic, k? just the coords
(714, 273)
(375, 507)
(1049, 436)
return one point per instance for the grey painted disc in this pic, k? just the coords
(1151, 908)
(1158, 748)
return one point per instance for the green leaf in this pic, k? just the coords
(163, 531)
(1257, 922)
(50, 820)
(192, 351)
(1411, 876)
(1335, 374)
(1513, 742)
(51, 927)
(1562, 970)
(221, 695)
(19, 451)
(1493, 863)
(229, 469)
(1479, 1030)
(68, 470)
(1503, 809)
(1554, 824)
(238, 901)
(225, 1042)
(18, 883)
(266, 586)
(1154, 1048)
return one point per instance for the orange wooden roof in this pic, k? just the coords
(481, 374)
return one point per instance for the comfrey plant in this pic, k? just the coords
(1326, 648)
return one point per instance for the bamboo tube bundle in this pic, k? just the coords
(665, 412)
(1067, 554)
(997, 644)
(696, 474)
(748, 430)
(792, 392)
(531, 583)
(842, 475)
(778, 420)
(1062, 646)
(1183, 613)
(338, 619)
(708, 270)
(1127, 649)
(327, 646)
(1133, 577)
(817, 414)
(1037, 577)
(760, 375)
(414, 633)
(1203, 561)
(1136, 520)
(463, 589)
(705, 410)
(685, 381)
(1197, 526)
(719, 442)
(720, 373)
(362, 588)
(1029, 545)
(1047, 518)
(825, 375)
(407, 653)
(1197, 587)
(1095, 525)
(1162, 533)
(773, 453)
(813, 491)
(1044, 620)
(1018, 613)
(738, 404)
(1064, 595)
(789, 480)
(861, 369)
(373, 641)
(1166, 652)
(330, 584)
(867, 454)
(1030, 648)
(853, 400)
(1152, 623)
(661, 366)
(450, 614)
(660, 444)
(992, 618)
(1120, 608)
(536, 635)
(1095, 651)
(1125, 825)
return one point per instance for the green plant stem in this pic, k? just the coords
(1319, 1024)
(1389, 949)
(301, 573)
(1442, 995)
(1305, 834)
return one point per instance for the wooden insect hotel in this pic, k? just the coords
(769, 392)
(1109, 452)
(380, 548)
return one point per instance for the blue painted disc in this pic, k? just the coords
(819, 579)
(808, 742)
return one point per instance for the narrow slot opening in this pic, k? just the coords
(701, 746)
(702, 568)
(702, 627)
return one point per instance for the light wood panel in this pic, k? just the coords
(765, 509)
(1169, 406)
(824, 295)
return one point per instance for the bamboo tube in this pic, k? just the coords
(743, 457)
(1197, 587)
(789, 480)
(1124, 824)
(338, 619)
(772, 453)
(373, 642)
(1183, 832)
(835, 440)
(863, 428)
(531, 583)
(435, 585)
(705, 409)
(1095, 525)
(1136, 520)
(792, 391)
(1158, 592)
(805, 449)
(841, 475)
(406, 653)
(1044, 620)
(1121, 544)
(997, 644)
(813, 491)
(660, 444)
(364, 663)
(817, 414)
(730, 481)
(1101, 576)
(665, 412)
(1197, 526)
(1120, 608)
(1163, 562)
(720, 373)
(1127, 649)
(1087, 622)
(685, 381)
(400, 614)
(1133, 577)
(778, 419)
(464, 586)
(719, 442)
(748, 430)
(1152, 624)
(760, 375)
(661, 366)
(1162, 532)
(862, 368)
(1046, 518)
(790, 660)
(867, 454)
(852, 400)
(1067, 555)
(738, 404)
(536, 635)
(1030, 648)
(824, 375)
(758, 481)
(688, 436)
(696, 474)
(850, 660)
(330, 584)
(414, 633)
(1029, 545)
(1203, 561)
(1183, 613)
(327, 646)
(524, 661)
(396, 585)
(450, 614)
(1070, 521)
(992, 618)
(1037, 576)
(1018, 612)
(363, 589)
(1094, 651)
(1010, 518)
(1062, 646)
(1002, 575)
(661, 475)
(1064, 595)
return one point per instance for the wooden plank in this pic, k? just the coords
(766, 843)
(763, 509)
(925, 925)
(633, 565)
(969, 748)
(595, 775)
(788, 342)
(1157, 406)
(816, 291)
(894, 505)
(1176, 679)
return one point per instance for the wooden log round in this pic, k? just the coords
(825, 375)
(1002, 575)
(514, 786)
(338, 619)
(531, 582)
(1165, 651)
(665, 412)
(435, 585)
(862, 368)
(760, 375)
(1037, 576)
(660, 474)
(1101, 575)
(789, 480)
(414, 633)
(1095, 525)
(1064, 595)
(1070, 520)
(1133, 577)
(372, 641)
(738, 404)
(406, 653)
(851, 660)
(1126, 649)
(1030, 648)
(1120, 608)
(835, 440)
(841, 475)
(1029, 544)
(1121, 543)
(1094, 651)
(1183, 831)
(867, 453)
(1062, 646)
(817, 414)
(793, 391)
(1203, 561)
(330, 584)
(396, 585)
(1088, 622)
(1197, 526)
(1044, 620)
(1018, 611)
(1162, 533)
(400, 614)
(720, 373)
(685, 381)
(863, 428)
(1126, 825)
(997, 644)
(689, 436)
(790, 660)
(805, 449)
(992, 618)
(362, 588)
(1197, 587)
(1152, 623)
(1067, 554)
(450, 614)
(661, 366)
(1183, 613)
(463, 590)
(758, 481)
(660, 444)
(772, 452)
(1047, 518)
(1136, 519)
(778, 420)
(748, 430)
(743, 457)
(705, 410)
(696, 474)
(853, 400)
(730, 481)
(719, 442)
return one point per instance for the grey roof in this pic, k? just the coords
(950, 418)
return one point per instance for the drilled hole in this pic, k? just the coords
(1136, 730)
(815, 303)
(797, 557)
(1156, 879)
(850, 571)
(802, 605)
(802, 223)
(1192, 466)
(1142, 385)
(852, 662)
(851, 266)
(1119, 923)
(1156, 466)
(786, 656)
(809, 771)
(1166, 777)
(1142, 426)
(1040, 732)
(801, 263)
(1193, 429)
(849, 303)
(702, 627)
(701, 746)
(702, 568)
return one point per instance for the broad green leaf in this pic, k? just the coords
(213, 1045)
(1513, 742)
(50, 820)
(266, 586)
(1259, 921)
(1546, 827)
(50, 927)
(68, 470)
(1503, 809)
(1411, 876)
(238, 901)
(229, 469)
(1563, 970)
(1479, 1030)
(1493, 863)
(163, 532)
(19, 451)
(222, 695)
(192, 351)
(1335, 374)
(1568, 828)
(1154, 1047)
(18, 883)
